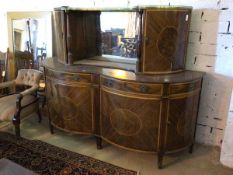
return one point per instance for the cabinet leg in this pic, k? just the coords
(191, 149)
(98, 142)
(39, 115)
(160, 160)
(51, 127)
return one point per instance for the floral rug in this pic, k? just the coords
(46, 159)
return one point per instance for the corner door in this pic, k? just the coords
(70, 105)
(164, 40)
(182, 115)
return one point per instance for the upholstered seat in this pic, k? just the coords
(8, 106)
(16, 106)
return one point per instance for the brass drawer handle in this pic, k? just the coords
(191, 86)
(143, 89)
(109, 83)
(169, 122)
(76, 77)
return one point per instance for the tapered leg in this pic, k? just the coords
(191, 149)
(43, 102)
(39, 115)
(51, 127)
(98, 142)
(160, 160)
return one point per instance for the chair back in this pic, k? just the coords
(28, 77)
(24, 60)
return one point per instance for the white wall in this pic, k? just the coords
(210, 49)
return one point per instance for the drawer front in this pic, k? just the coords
(132, 87)
(69, 77)
(180, 88)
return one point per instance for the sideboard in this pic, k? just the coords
(152, 109)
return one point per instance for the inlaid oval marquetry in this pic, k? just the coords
(167, 41)
(125, 122)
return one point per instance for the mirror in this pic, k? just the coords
(30, 38)
(119, 31)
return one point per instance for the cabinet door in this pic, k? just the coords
(182, 114)
(83, 35)
(165, 35)
(70, 105)
(130, 120)
(59, 36)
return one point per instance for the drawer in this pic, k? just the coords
(133, 87)
(69, 77)
(180, 88)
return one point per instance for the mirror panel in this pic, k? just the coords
(30, 37)
(119, 31)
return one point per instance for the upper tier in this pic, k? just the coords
(158, 38)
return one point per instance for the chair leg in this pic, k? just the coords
(16, 122)
(17, 130)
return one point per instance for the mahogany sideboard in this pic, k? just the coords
(150, 109)
(138, 112)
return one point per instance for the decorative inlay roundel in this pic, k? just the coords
(167, 41)
(125, 122)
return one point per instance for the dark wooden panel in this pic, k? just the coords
(69, 77)
(70, 106)
(143, 88)
(182, 114)
(129, 120)
(184, 87)
(164, 40)
(59, 36)
(83, 35)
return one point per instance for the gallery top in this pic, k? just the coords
(121, 9)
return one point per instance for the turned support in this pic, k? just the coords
(191, 149)
(98, 142)
(160, 160)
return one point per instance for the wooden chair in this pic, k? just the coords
(24, 60)
(15, 106)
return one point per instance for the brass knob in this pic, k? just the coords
(76, 77)
(109, 83)
(144, 89)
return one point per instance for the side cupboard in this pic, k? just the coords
(151, 109)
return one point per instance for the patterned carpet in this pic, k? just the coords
(43, 158)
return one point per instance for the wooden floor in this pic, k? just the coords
(203, 161)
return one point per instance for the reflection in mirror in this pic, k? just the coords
(120, 34)
(29, 42)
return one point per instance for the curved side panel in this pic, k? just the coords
(130, 120)
(70, 106)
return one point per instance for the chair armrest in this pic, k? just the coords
(7, 84)
(28, 91)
